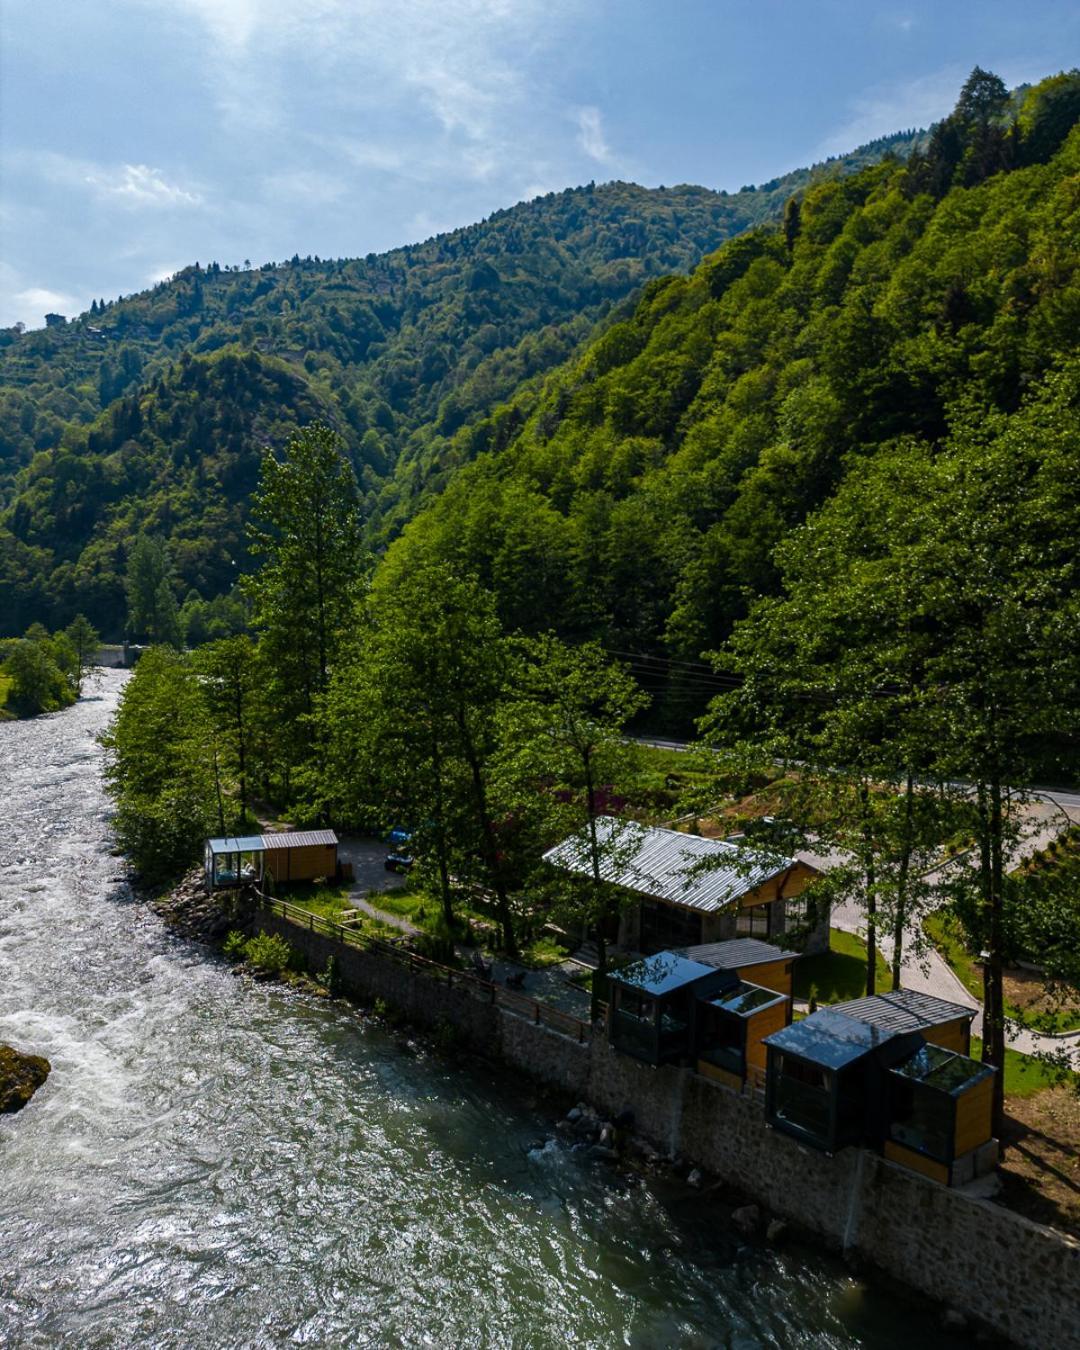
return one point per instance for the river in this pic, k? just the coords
(215, 1165)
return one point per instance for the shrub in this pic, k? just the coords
(233, 947)
(268, 952)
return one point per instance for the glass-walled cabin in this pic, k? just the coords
(824, 1080)
(941, 1112)
(233, 861)
(652, 1005)
(730, 1029)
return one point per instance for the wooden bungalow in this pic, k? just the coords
(296, 855)
(941, 1115)
(730, 1028)
(751, 959)
(693, 891)
(940, 1022)
(653, 1002)
(878, 1079)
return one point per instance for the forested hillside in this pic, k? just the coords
(150, 412)
(640, 494)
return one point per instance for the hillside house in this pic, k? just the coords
(692, 891)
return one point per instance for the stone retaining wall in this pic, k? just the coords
(1019, 1278)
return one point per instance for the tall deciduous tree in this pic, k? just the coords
(305, 532)
(231, 685)
(85, 642)
(152, 611)
(574, 709)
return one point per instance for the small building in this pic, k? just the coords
(870, 1073)
(652, 1005)
(751, 959)
(825, 1079)
(730, 1028)
(693, 891)
(940, 1022)
(296, 855)
(234, 860)
(941, 1116)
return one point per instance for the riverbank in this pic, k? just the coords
(244, 1155)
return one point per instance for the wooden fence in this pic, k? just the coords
(487, 991)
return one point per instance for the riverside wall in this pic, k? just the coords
(1018, 1278)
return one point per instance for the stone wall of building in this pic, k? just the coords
(1019, 1278)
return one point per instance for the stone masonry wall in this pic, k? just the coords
(1018, 1277)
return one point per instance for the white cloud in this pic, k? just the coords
(305, 186)
(140, 185)
(591, 135)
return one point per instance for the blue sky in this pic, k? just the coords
(137, 136)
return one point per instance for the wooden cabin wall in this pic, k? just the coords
(789, 885)
(762, 1024)
(955, 1035)
(775, 975)
(916, 1162)
(974, 1116)
(301, 864)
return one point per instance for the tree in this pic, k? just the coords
(159, 765)
(231, 686)
(38, 685)
(86, 642)
(152, 611)
(576, 703)
(305, 530)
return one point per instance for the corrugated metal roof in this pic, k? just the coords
(903, 1010)
(299, 839)
(683, 869)
(736, 952)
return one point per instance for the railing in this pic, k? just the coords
(521, 1005)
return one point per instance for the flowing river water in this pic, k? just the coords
(215, 1165)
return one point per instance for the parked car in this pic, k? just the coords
(398, 836)
(398, 862)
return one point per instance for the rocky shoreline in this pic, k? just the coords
(190, 910)
(20, 1077)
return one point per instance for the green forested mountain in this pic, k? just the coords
(150, 413)
(639, 494)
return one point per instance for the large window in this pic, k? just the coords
(802, 1097)
(922, 1119)
(754, 922)
(665, 928)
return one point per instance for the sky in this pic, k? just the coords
(138, 136)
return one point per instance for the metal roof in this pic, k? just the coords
(737, 952)
(828, 1038)
(662, 973)
(683, 869)
(903, 1010)
(299, 839)
(246, 843)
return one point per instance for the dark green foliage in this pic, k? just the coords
(150, 415)
(652, 478)
(160, 767)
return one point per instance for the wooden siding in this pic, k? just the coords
(916, 1162)
(787, 885)
(955, 1035)
(775, 975)
(762, 1024)
(974, 1117)
(707, 1070)
(301, 864)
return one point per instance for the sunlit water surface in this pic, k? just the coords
(214, 1165)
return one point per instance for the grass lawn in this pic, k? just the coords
(1026, 1076)
(947, 935)
(839, 974)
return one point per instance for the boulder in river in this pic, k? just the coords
(20, 1077)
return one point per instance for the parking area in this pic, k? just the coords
(368, 858)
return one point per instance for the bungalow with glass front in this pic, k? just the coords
(692, 891)
(290, 855)
(869, 1073)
